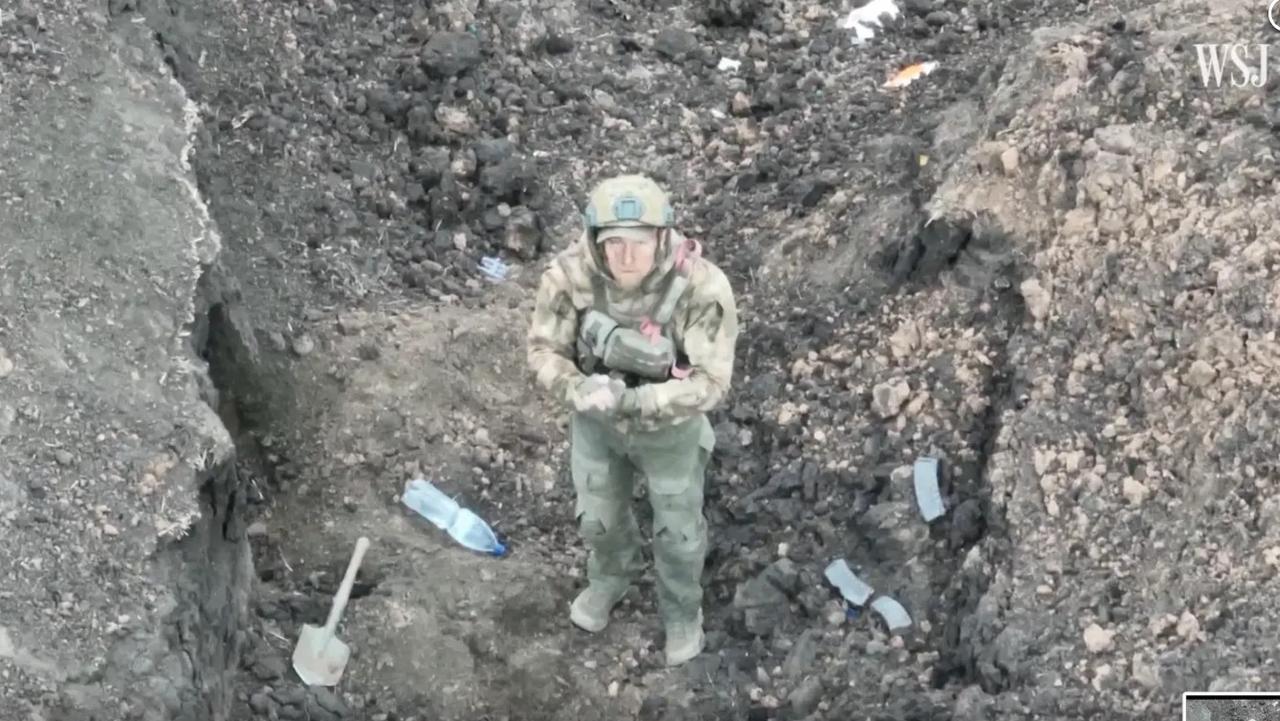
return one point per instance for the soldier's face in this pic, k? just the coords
(630, 259)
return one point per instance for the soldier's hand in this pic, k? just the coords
(597, 393)
(632, 401)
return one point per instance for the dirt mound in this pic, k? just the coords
(121, 595)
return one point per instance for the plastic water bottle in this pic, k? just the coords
(465, 527)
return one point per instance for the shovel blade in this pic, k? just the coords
(319, 658)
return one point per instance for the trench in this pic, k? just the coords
(243, 401)
(222, 573)
(220, 569)
(210, 572)
(976, 250)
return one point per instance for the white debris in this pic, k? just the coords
(1097, 639)
(854, 589)
(928, 495)
(864, 20)
(894, 615)
(729, 65)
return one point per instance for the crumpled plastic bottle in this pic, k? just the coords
(465, 527)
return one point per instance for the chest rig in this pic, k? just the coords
(648, 352)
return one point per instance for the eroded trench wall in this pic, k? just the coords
(126, 575)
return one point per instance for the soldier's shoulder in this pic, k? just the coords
(709, 280)
(566, 268)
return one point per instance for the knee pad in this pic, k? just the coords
(680, 533)
(600, 517)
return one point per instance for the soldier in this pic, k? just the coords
(635, 333)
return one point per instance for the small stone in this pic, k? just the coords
(523, 236)
(940, 18)
(802, 655)
(269, 668)
(675, 43)
(303, 345)
(449, 54)
(1189, 627)
(806, 697)
(1144, 672)
(329, 701)
(741, 104)
(614, 687)
(349, 324)
(464, 163)
(260, 703)
(63, 457)
(904, 341)
(1098, 639)
(6, 364)
(1115, 139)
(110, 530)
(1009, 161)
(557, 44)
(455, 120)
(1037, 298)
(1200, 374)
(277, 341)
(1134, 491)
(257, 529)
(888, 398)
(1161, 625)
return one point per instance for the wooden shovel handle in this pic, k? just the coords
(344, 591)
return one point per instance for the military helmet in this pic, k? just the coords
(628, 200)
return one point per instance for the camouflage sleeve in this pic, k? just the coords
(552, 337)
(710, 335)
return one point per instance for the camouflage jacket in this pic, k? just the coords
(704, 327)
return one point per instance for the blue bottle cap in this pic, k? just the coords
(499, 550)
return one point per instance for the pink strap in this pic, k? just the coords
(687, 252)
(650, 330)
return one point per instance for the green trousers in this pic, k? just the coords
(673, 462)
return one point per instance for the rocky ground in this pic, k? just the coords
(1050, 263)
(1228, 709)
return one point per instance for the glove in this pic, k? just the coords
(598, 394)
(634, 401)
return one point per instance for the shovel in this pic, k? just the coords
(320, 657)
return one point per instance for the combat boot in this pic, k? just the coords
(590, 610)
(685, 640)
